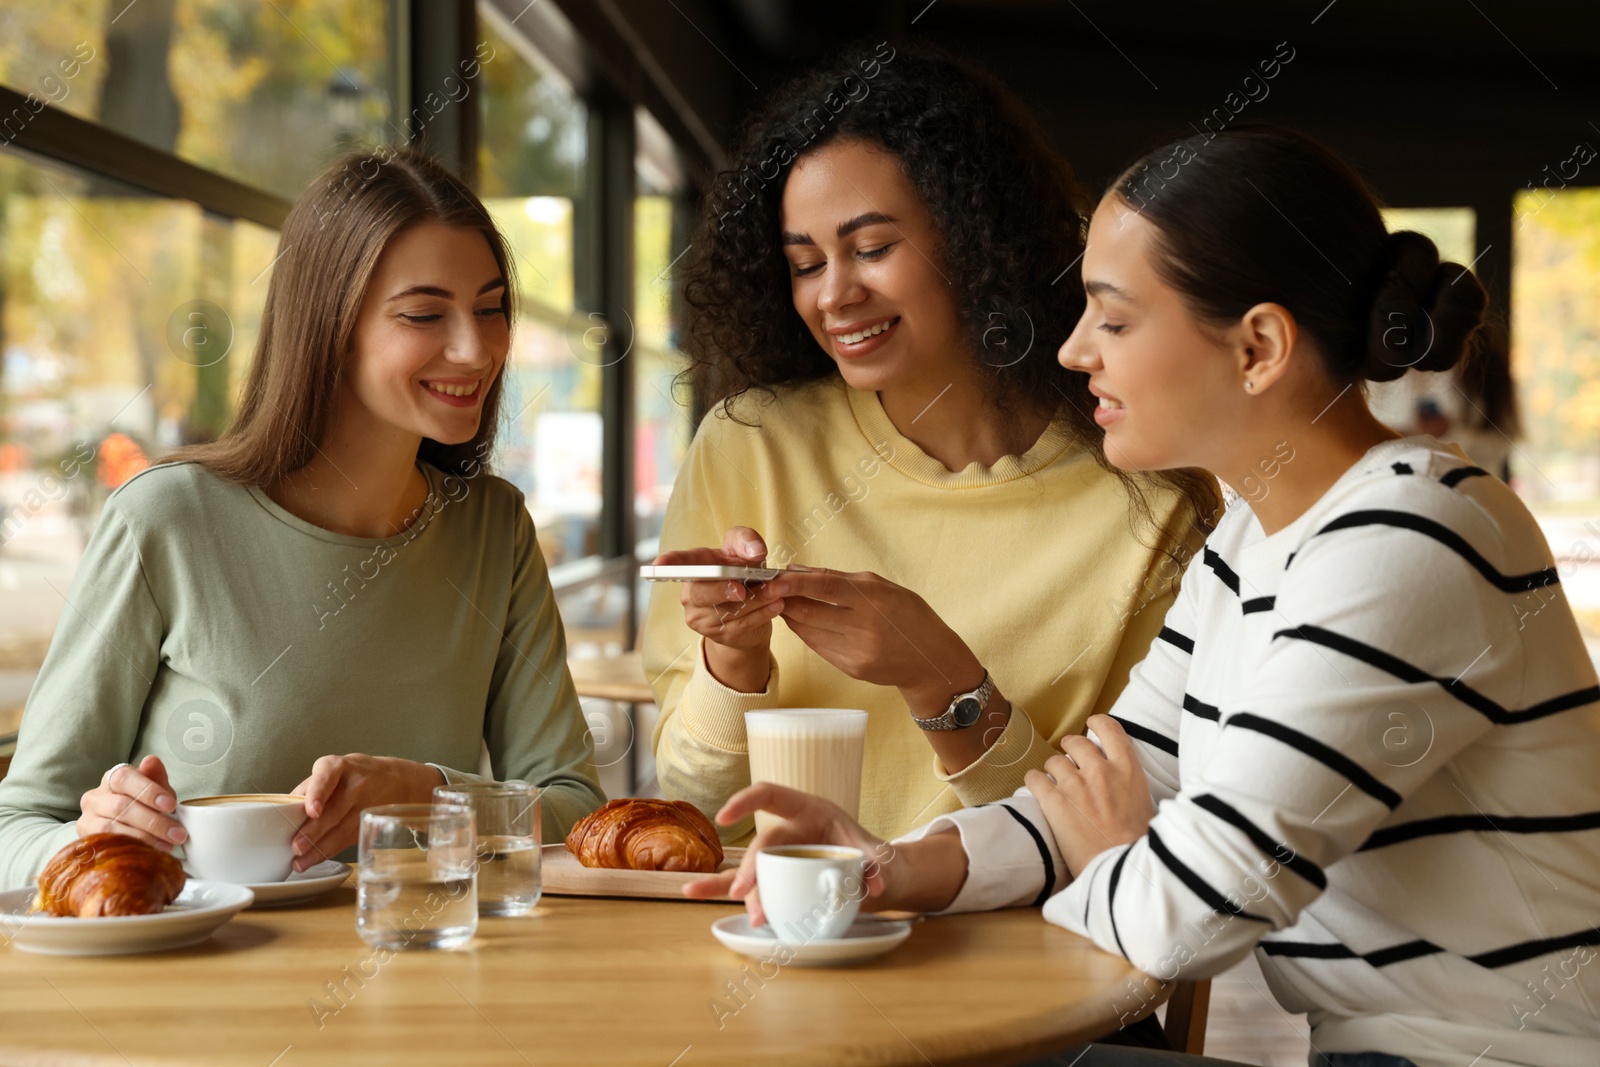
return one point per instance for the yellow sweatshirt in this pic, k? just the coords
(1035, 562)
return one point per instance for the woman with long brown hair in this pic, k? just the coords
(336, 598)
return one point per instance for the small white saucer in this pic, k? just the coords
(199, 910)
(302, 885)
(866, 939)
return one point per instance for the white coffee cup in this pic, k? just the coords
(810, 892)
(243, 838)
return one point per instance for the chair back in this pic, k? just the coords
(1186, 1017)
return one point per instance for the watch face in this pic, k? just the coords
(967, 711)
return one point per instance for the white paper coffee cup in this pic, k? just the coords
(814, 750)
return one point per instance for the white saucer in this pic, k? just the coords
(199, 910)
(302, 885)
(866, 939)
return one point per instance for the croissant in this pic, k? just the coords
(108, 874)
(647, 835)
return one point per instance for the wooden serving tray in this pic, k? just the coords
(564, 876)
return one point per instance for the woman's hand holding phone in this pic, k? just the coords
(879, 632)
(734, 617)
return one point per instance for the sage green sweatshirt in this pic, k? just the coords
(211, 627)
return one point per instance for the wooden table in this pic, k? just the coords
(619, 678)
(581, 981)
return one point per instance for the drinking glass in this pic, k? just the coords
(508, 842)
(417, 886)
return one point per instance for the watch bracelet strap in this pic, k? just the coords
(947, 720)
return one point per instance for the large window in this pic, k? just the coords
(126, 326)
(661, 400)
(263, 92)
(1556, 358)
(128, 318)
(531, 164)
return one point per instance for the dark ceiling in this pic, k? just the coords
(1438, 102)
(1418, 88)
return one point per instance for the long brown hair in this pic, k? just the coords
(330, 246)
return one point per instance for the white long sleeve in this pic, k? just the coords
(1382, 778)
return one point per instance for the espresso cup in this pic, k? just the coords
(243, 838)
(810, 892)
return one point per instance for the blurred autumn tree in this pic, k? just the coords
(532, 139)
(263, 92)
(93, 272)
(1556, 316)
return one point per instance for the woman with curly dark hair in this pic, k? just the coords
(880, 278)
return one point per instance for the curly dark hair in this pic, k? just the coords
(1010, 212)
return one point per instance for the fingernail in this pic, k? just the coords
(176, 834)
(752, 550)
(166, 802)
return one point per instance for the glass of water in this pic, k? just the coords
(416, 887)
(509, 881)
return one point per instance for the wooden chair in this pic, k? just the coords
(1186, 1017)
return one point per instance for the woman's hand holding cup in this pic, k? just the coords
(341, 787)
(924, 875)
(807, 820)
(734, 617)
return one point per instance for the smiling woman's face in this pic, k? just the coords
(431, 335)
(1166, 385)
(862, 252)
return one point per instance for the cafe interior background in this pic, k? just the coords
(150, 150)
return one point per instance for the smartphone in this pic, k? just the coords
(701, 571)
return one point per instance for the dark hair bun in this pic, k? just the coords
(1424, 311)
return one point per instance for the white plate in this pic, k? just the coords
(866, 939)
(311, 882)
(199, 910)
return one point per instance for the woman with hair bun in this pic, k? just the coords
(879, 280)
(1364, 745)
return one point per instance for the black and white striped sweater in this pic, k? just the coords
(1374, 743)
